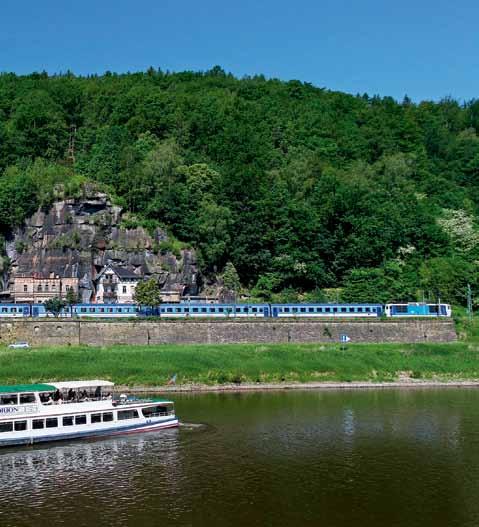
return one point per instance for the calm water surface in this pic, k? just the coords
(347, 458)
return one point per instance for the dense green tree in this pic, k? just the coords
(148, 293)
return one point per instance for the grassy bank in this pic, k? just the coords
(217, 364)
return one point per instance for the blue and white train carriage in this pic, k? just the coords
(326, 310)
(416, 309)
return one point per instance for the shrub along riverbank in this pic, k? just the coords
(249, 363)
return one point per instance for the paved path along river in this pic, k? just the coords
(405, 457)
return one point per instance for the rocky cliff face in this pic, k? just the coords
(78, 237)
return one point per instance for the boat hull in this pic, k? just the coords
(133, 428)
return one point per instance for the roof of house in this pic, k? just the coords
(121, 272)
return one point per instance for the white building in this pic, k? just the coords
(115, 285)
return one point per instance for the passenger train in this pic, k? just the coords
(205, 310)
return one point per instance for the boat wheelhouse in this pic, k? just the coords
(32, 413)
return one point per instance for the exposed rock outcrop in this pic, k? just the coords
(78, 237)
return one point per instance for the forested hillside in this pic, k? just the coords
(301, 188)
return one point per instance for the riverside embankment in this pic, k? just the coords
(60, 332)
(225, 366)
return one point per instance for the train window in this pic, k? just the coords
(254, 309)
(327, 309)
(246, 309)
(162, 310)
(433, 308)
(374, 309)
(295, 309)
(91, 309)
(14, 309)
(400, 309)
(238, 310)
(178, 310)
(360, 309)
(285, 310)
(102, 309)
(344, 310)
(20, 426)
(4, 309)
(303, 310)
(335, 309)
(311, 309)
(220, 310)
(118, 310)
(212, 310)
(187, 309)
(367, 309)
(169, 310)
(203, 309)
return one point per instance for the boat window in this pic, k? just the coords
(51, 422)
(9, 399)
(80, 419)
(68, 421)
(107, 417)
(6, 427)
(20, 426)
(127, 414)
(37, 424)
(27, 398)
(154, 411)
(96, 418)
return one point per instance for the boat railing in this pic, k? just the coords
(160, 414)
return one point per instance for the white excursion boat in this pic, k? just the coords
(32, 413)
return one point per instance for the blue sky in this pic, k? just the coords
(427, 49)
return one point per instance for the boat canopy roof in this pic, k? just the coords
(66, 385)
(17, 388)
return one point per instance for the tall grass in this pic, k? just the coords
(216, 364)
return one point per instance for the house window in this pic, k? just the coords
(25, 288)
(124, 289)
(39, 288)
(46, 288)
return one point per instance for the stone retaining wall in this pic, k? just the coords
(48, 332)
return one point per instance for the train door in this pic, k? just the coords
(275, 312)
(266, 311)
(35, 311)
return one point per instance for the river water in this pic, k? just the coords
(307, 458)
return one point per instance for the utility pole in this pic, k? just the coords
(469, 301)
(71, 145)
